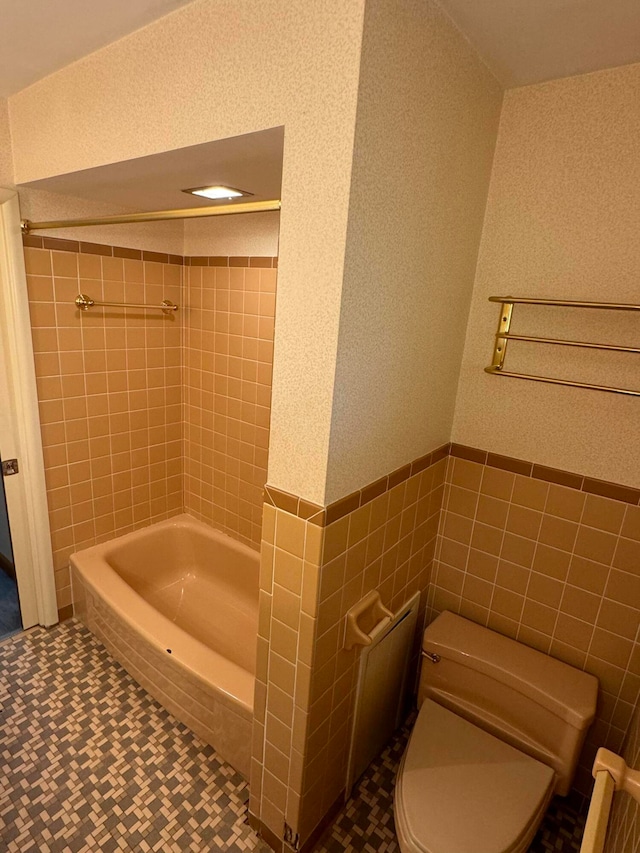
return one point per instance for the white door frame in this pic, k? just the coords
(20, 429)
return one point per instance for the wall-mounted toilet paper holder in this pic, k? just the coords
(363, 619)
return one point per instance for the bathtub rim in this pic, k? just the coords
(234, 684)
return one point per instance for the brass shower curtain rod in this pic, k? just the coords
(156, 215)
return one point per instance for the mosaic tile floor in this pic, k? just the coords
(90, 763)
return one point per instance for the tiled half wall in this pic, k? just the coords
(537, 554)
(146, 415)
(317, 563)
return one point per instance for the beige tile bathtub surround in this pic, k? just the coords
(123, 402)
(242, 73)
(562, 219)
(624, 823)
(551, 565)
(110, 394)
(313, 570)
(426, 127)
(227, 386)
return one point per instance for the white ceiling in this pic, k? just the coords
(38, 37)
(529, 41)
(522, 41)
(252, 162)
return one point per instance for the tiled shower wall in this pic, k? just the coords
(527, 551)
(110, 393)
(125, 395)
(227, 387)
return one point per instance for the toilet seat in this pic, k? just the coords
(461, 790)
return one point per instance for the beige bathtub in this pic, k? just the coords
(177, 605)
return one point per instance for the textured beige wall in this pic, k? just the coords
(219, 68)
(256, 234)
(6, 159)
(562, 221)
(427, 119)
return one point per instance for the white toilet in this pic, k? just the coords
(499, 732)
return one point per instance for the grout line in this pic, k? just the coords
(504, 533)
(531, 570)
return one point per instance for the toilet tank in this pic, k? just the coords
(526, 698)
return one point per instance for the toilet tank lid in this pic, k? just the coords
(566, 691)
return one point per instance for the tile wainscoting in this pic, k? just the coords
(542, 556)
(316, 563)
(538, 554)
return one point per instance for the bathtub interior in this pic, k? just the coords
(207, 585)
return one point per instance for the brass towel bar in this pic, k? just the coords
(84, 302)
(504, 335)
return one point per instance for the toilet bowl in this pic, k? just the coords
(498, 734)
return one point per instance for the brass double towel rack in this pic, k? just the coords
(504, 335)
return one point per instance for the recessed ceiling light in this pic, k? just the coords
(217, 192)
